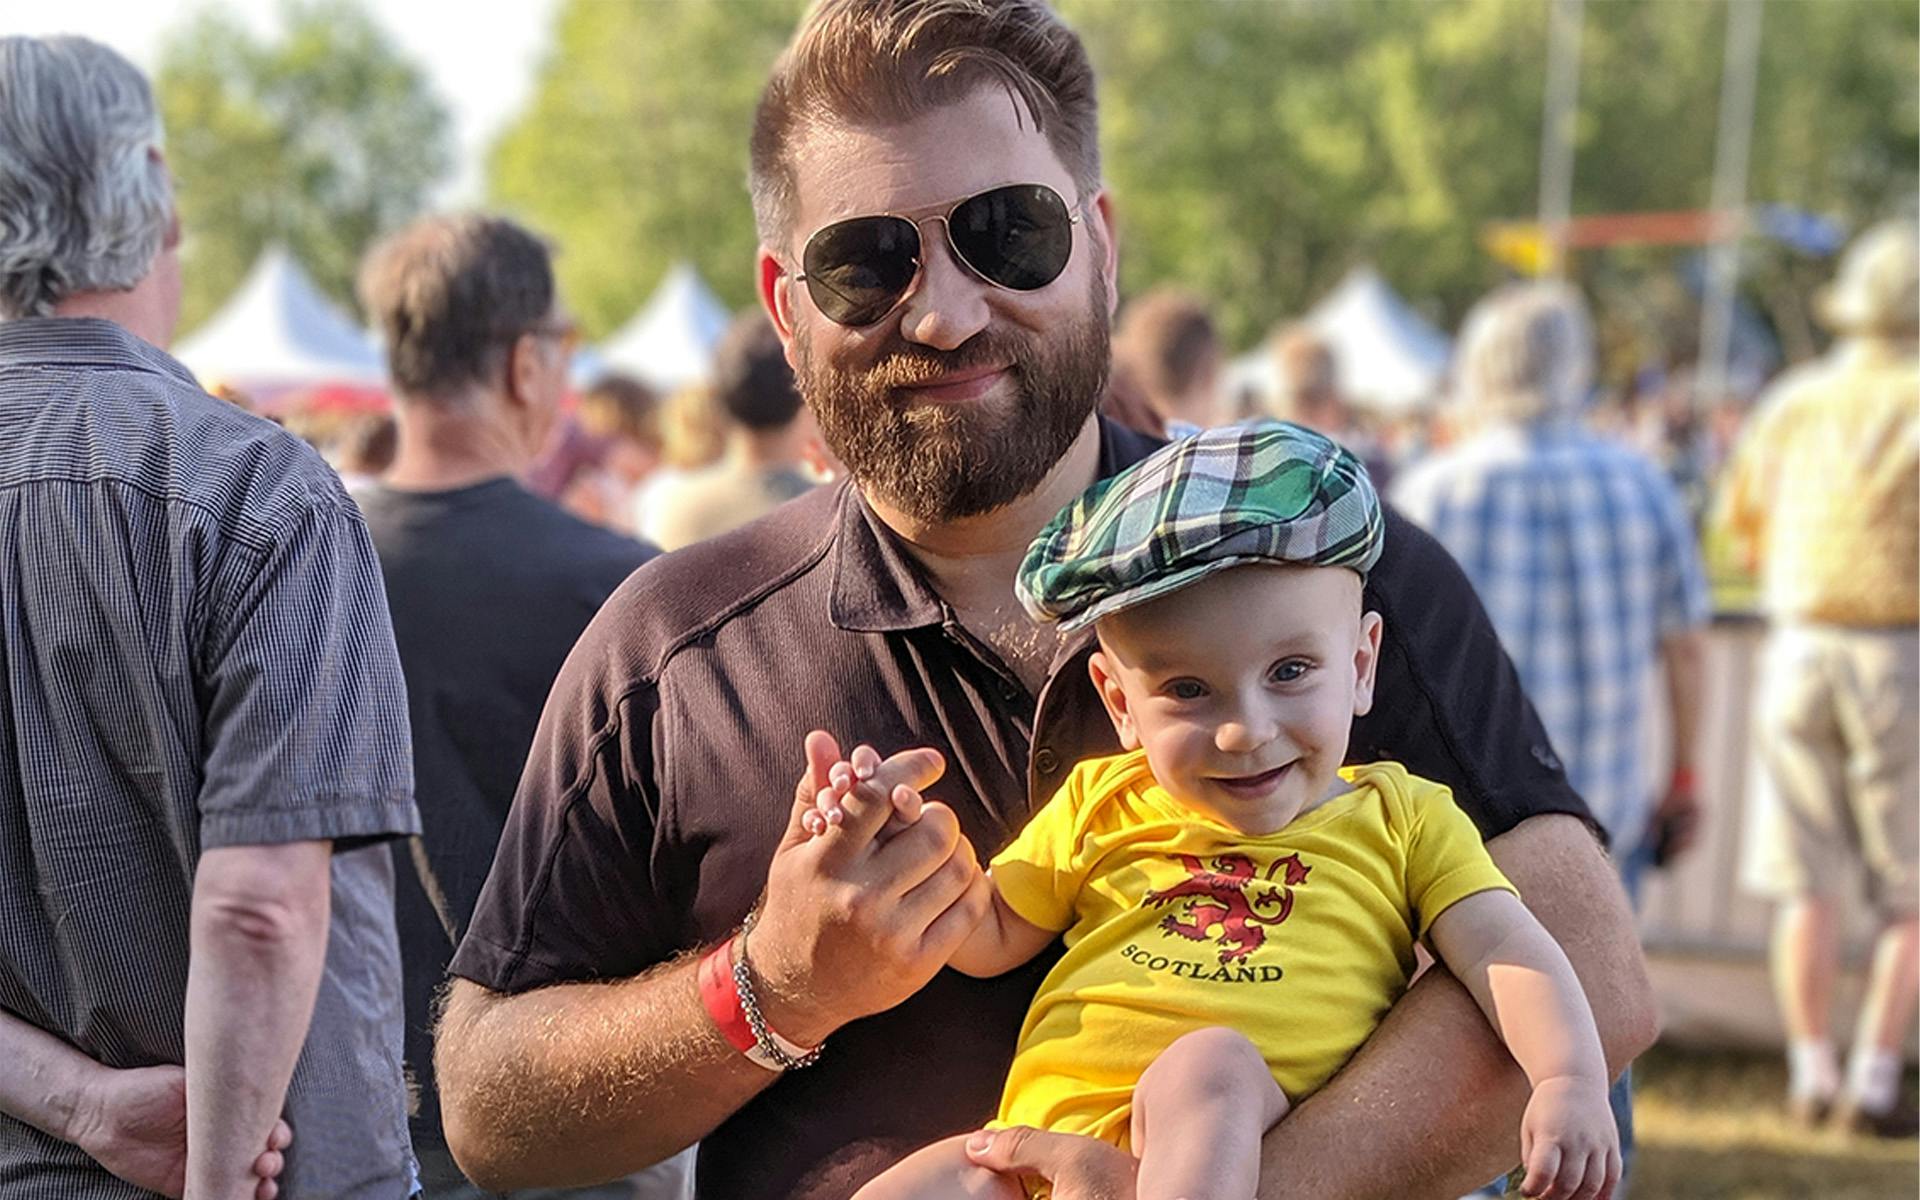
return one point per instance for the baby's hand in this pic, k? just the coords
(849, 775)
(1568, 1139)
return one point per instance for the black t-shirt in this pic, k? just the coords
(489, 587)
(663, 773)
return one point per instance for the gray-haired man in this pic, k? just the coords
(203, 730)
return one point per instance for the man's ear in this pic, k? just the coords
(1366, 659)
(776, 296)
(1106, 681)
(523, 370)
(1101, 214)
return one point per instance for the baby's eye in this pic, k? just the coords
(1289, 669)
(1186, 689)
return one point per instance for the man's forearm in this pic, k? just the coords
(45, 1079)
(259, 946)
(580, 1083)
(1683, 657)
(1433, 1095)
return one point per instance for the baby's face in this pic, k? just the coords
(1243, 687)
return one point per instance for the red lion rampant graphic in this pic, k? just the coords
(1217, 895)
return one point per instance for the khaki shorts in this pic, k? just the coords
(1835, 730)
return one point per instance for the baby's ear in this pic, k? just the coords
(1366, 659)
(1106, 681)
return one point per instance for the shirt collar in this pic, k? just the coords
(878, 588)
(83, 342)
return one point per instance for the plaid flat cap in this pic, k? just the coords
(1265, 491)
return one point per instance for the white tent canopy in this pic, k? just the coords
(669, 343)
(1390, 359)
(278, 331)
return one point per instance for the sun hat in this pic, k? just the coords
(1259, 492)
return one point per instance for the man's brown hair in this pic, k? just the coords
(1169, 340)
(450, 294)
(886, 61)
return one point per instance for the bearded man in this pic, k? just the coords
(938, 254)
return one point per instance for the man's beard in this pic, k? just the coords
(937, 462)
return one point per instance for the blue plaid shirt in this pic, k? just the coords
(1586, 560)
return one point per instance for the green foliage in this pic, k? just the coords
(324, 139)
(1257, 148)
(633, 153)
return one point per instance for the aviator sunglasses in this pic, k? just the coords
(1017, 237)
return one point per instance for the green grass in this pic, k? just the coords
(1710, 1126)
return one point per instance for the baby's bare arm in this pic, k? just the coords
(1000, 942)
(1522, 981)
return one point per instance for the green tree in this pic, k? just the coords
(633, 151)
(1257, 150)
(323, 139)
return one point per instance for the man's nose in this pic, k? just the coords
(948, 303)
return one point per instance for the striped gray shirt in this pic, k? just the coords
(196, 653)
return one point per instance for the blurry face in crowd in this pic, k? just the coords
(966, 395)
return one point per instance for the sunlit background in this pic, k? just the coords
(1372, 166)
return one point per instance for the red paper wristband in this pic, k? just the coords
(722, 1001)
(1683, 780)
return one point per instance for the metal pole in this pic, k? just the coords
(1738, 80)
(1556, 130)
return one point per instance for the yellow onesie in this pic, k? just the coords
(1300, 940)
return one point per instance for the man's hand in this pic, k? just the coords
(1568, 1141)
(134, 1123)
(1675, 823)
(853, 924)
(1079, 1168)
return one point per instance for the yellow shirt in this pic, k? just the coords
(1824, 490)
(1300, 939)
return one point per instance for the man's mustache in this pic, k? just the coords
(909, 364)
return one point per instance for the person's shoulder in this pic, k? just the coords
(677, 598)
(1413, 562)
(567, 536)
(254, 476)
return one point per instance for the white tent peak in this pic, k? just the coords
(278, 330)
(1390, 356)
(669, 343)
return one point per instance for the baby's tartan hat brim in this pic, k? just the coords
(1261, 492)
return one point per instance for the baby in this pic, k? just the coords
(1239, 910)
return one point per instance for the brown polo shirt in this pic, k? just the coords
(662, 777)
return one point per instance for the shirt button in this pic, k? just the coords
(1046, 761)
(1009, 693)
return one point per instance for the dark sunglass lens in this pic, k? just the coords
(857, 270)
(1019, 237)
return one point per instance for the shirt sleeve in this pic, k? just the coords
(1447, 699)
(306, 712)
(1040, 874)
(572, 894)
(1446, 860)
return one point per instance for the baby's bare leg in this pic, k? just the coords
(941, 1171)
(1198, 1115)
